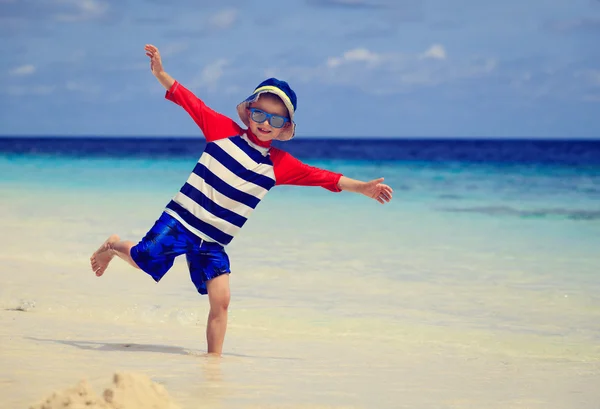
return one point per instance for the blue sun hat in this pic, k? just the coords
(283, 91)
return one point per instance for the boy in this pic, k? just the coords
(236, 170)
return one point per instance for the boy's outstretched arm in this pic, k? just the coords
(157, 68)
(291, 171)
(373, 189)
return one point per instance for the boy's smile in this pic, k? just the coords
(264, 131)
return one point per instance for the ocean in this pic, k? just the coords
(478, 286)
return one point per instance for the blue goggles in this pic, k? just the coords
(260, 116)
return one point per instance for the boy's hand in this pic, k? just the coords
(157, 68)
(155, 61)
(376, 190)
(373, 189)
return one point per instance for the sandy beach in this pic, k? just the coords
(44, 354)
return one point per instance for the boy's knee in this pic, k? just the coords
(219, 294)
(221, 300)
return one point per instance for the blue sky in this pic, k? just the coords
(385, 68)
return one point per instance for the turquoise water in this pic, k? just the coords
(538, 209)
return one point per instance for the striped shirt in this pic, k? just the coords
(234, 173)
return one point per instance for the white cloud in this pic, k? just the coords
(391, 72)
(436, 51)
(224, 19)
(211, 75)
(27, 69)
(82, 10)
(355, 55)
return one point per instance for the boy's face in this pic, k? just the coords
(270, 104)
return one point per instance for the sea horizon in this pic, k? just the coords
(566, 138)
(571, 152)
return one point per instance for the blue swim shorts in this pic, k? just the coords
(167, 239)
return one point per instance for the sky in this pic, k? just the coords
(360, 68)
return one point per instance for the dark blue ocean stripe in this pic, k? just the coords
(255, 155)
(207, 204)
(234, 166)
(208, 229)
(220, 186)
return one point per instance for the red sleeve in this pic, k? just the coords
(214, 125)
(290, 171)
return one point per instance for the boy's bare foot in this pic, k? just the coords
(103, 255)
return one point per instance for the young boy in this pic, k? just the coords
(236, 170)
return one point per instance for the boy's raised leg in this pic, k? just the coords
(113, 246)
(218, 297)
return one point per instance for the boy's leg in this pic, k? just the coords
(154, 254)
(218, 296)
(209, 270)
(113, 246)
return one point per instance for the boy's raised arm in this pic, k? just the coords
(214, 125)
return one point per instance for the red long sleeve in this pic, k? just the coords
(290, 171)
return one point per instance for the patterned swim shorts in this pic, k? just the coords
(167, 239)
